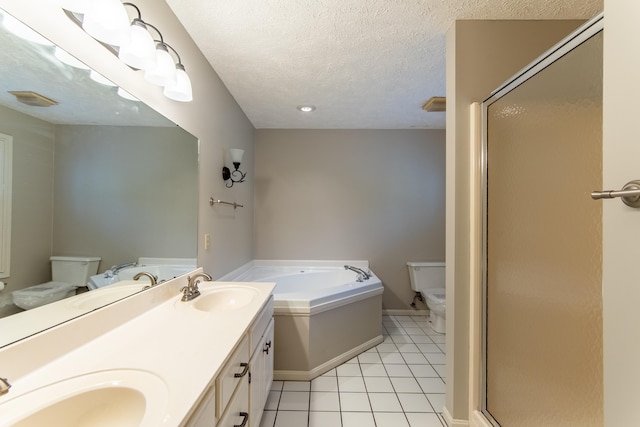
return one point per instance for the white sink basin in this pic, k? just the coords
(99, 297)
(124, 398)
(224, 298)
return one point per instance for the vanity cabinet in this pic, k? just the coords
(261, 368)
(239, 393)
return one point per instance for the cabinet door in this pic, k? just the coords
(261, 376)
(236, 413)
(205, 415)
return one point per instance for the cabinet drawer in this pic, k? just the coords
(234, 371)
(237, 411)
(261, 323)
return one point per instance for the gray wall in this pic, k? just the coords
(32, 204)
(352, 194)
(125, 192)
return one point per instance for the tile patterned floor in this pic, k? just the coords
(398, 383)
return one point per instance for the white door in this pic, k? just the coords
(621, 224)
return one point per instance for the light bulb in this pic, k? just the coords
(107, 21)
(140, 51)
(181, 91)
(164, 73)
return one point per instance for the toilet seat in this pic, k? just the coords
(35, 296)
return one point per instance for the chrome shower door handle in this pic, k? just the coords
(630, 194)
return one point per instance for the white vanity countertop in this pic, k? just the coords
(183, 346)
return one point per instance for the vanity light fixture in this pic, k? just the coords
(231, 177)
(23, 31)
(108, 22)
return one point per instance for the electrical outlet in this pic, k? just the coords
(207, 241)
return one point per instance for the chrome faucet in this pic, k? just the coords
(362, 275)
(115, 268)
(153, 279)
(191, 291)
(4, 386)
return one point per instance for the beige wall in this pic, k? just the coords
(481, 55)
(32, 205)
(352, 194)
(214, 117)
(125, 192)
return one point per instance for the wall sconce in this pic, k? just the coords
(108, 22)
(231, 177)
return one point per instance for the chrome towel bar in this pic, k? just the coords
(235, 205)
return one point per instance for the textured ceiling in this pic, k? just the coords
(365, 64)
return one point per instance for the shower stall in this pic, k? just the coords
(542, 240)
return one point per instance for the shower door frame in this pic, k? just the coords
(566, 45)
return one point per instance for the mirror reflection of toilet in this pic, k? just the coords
(428, 279)
(68, 273)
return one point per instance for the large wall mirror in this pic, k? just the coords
(95, 174)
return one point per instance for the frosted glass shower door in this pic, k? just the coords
(543, 242)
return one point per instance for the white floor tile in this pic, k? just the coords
(357, 419)
(296, 386)
(436, 358)
(441, 370)
(324, 401)
(351, 384)
(415, 359)
(443, 348)
(421, 339)
(352, 361)
(324, 419)
(408, 348)
(415, 331)
(398, 371)
(392, 358)
(292, 419)
(378, 384)
(268, 419)
(423, 371)
(429, 348)
(294, 401)
(431, 385)
(373, 370)
(354, 402)
(386, 348)
(437, 401)
(385, 402)
(401, 339)
(331, 373)
(423, 420)
(414, 402)
(438, 339)
(384, 419)
(405, 385)
(407, 322)
(350, 370)
(272, 400)
(277, 385)
(369, 358)
(324, 384)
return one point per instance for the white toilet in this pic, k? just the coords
(428, 279)
(68, 273)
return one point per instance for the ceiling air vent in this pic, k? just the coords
(33, 99)
(435, 104)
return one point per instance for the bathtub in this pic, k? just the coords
(323, 315)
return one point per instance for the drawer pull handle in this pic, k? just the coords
(244, 421)
(266, 347)
(244, 371)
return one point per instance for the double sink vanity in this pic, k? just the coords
(150, 359)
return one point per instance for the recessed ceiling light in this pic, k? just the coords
(306, 108)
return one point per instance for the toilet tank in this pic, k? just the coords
(74, 270)
(426, 275)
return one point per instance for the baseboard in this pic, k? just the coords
(477, 419)
(405, 312)
(281, 375)
(452, 422)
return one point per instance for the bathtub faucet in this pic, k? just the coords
(115, 268)
(191, 291)
(362, 275)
